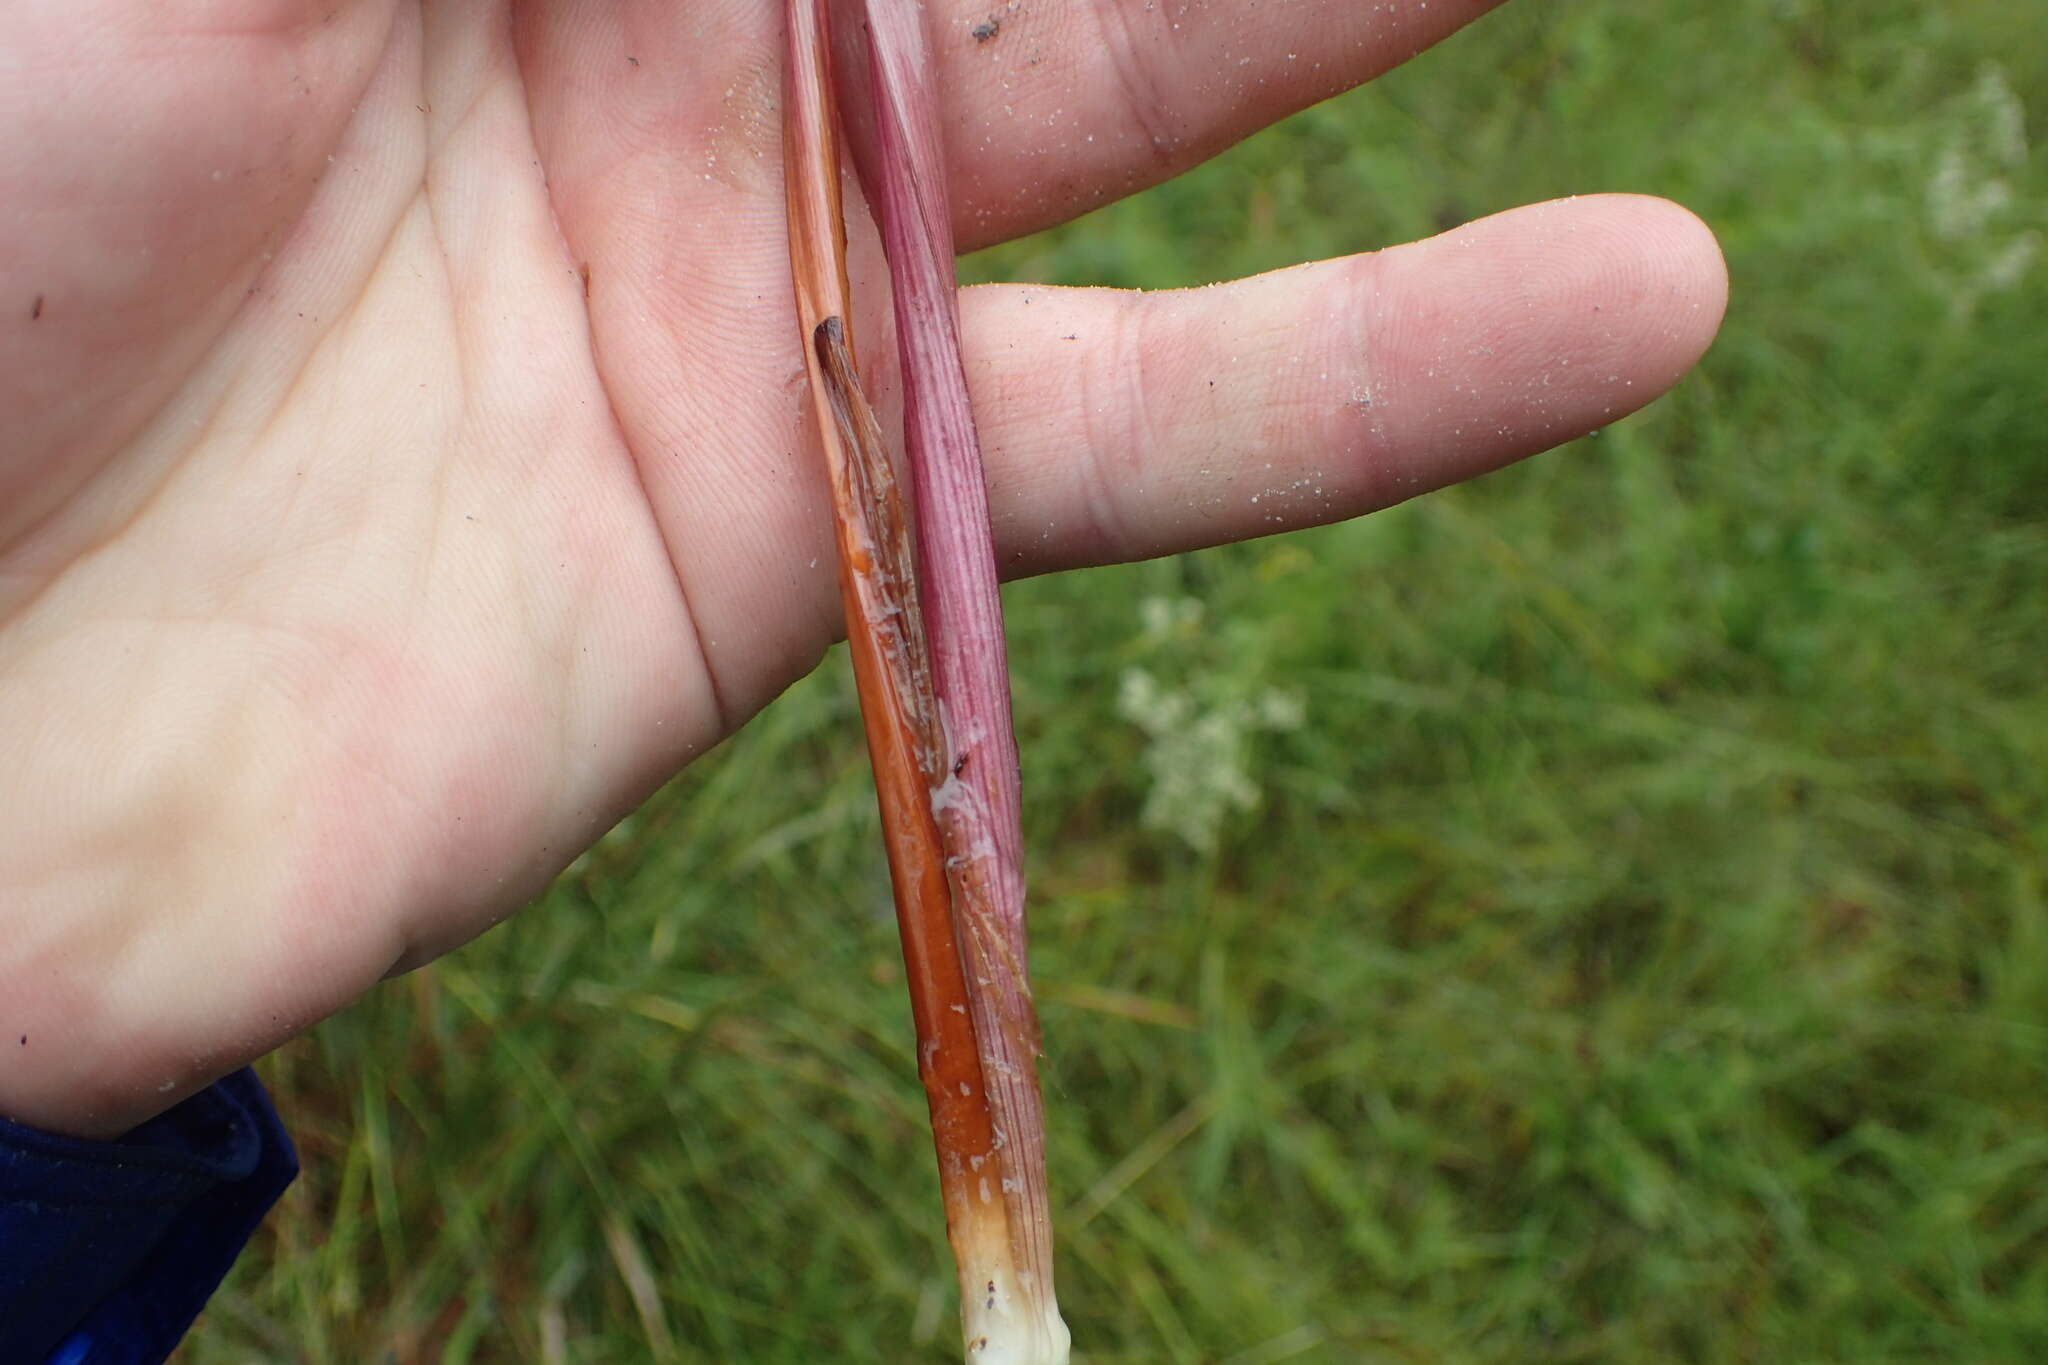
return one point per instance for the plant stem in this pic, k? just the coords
(979, 804)
(956, 963)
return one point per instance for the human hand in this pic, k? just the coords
(406, 465)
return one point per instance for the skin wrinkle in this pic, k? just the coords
(464, 417)
(1355, 427)
(756, 445)
(1137, 60)
(724, 715)
(257, 18)
(334, 303)
(133, 497)
(313, 387)
(1112, 464)
(440, 129)
(476, 83)
(609, 196)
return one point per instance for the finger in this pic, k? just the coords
(1051, 107)
(1056, 106)
(1119, 425)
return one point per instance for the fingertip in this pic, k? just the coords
(1529, 328)
(1675, 261)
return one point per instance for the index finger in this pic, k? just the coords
(1055, 107)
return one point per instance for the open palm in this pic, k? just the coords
(405, 463)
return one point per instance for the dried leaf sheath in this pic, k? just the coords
(1001, 1308)
(889, 658)
(979, 804)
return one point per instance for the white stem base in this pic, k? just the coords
(1004, 1325)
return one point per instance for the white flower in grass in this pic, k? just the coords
(1962, 200)
(1281, 710)
(2010, 265)
(1166, 618)
(1971, 203)
(1198, 752)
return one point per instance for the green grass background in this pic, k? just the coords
(1638, 954)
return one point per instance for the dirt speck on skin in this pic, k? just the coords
(744, 146)
(986, 30)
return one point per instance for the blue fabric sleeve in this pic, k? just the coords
(109, 1249)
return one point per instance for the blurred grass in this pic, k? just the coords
(1639, 954)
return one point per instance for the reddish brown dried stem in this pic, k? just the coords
(979, 803)
(906, 745)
